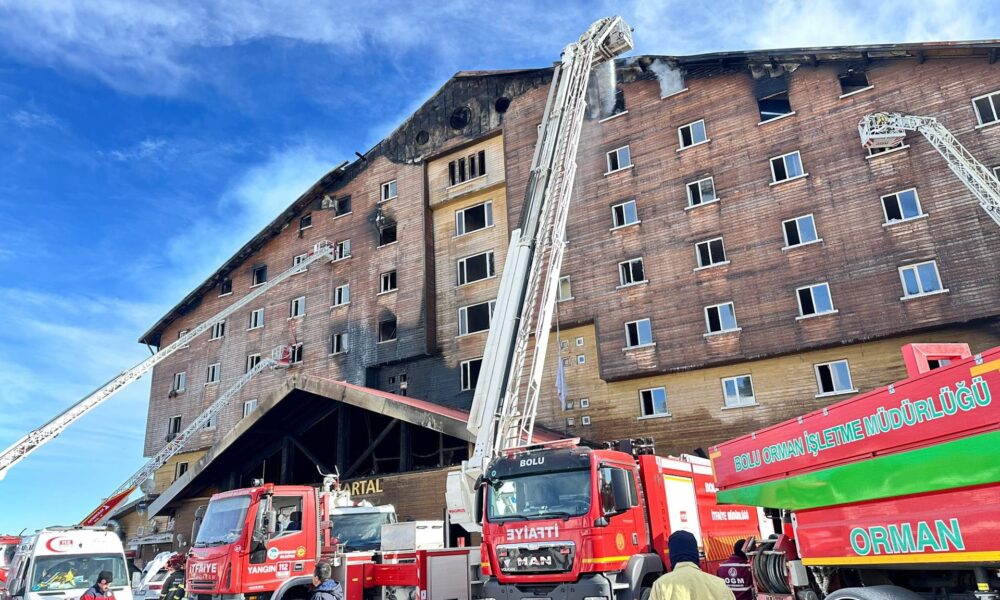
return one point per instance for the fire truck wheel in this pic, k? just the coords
(644, 593)
(876, 592)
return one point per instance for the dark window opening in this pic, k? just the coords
(342, 206)
(711, 252)
(297, 353)
(259, 275)
(226, 287)
(502, 104)
(937, 363)
(780, 174)
(825, 379)
(714, 322)
(475, 318)
(470, 373)
(853, 82)
(387, 235)
(892, 211)
(474, 218)
(388, 282)
(792, 233)
(476, 268)
(806, 301)
(774, 106)
(387, 330)
(619, 102)
(305, 221)
(464, 169)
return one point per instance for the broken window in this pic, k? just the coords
(475, 318)
(470, 373)
(341, 206)
(787, 166)
(213, 374)
(853, 81)
(306, 221)
(901, 206)
(565, 291)
(774, 106)
(476, 268)
(701, 192)
(638, 333)
(338, 343)
(179, 470)
(619, 158)
(834, 378)
(388, 191)
(631, 271)
(814, 300)
(259, 275)
(297, 353)
(652, 402)
(297, 307)
(252, 361)
(624, 214)
(218, 330)
(387, 234)
(720, 318)
(342, 294)
(692, 134)
(387, 330)
(474, 218)
(710, 252)
(173, 427)
(387, 282)
(466, 168)
(226, 287)
(987, 108)
(799, 231)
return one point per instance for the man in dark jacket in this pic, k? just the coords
(101, 589)
(173, 585)
(735, 571)
(324, 587)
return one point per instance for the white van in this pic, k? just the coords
(61, 563)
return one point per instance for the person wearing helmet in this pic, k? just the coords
(324, 586)
(101, 589)
(173, 585)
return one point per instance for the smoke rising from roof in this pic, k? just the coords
(670, 77)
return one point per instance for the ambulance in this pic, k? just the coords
(61, 563)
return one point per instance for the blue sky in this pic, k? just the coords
(142, 143)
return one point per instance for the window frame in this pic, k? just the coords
(835, 392)
(383, 189)
(784, 165)
(260, 322)
(617, 153)
(739, 404)
(465, 375)
(488, 218)
(179, 384)
(248, 407)
(307, 219)
(258, 275)
(218, 330)
(885, 213)
(252, 361)
(697, 254)
(559, 289)
(225, 287)
(717, 307)
(914, 266)
(298, 354)
(638, 334)
(642, 404)
(339, 340)
(389, 277)
(635, 207)
(697, 184)
(180, 468)
(342, 250)
(463, 317)
(337, 295)
(994, 98)
(798, 231)
(690, 126)
(812, 297)
(395, 331)
(297, 307)
(216, 370)
(462, 270)
(171, 429)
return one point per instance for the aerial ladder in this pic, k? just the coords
(176, 444)
(46, 433)
(502, 415)
(887, 130)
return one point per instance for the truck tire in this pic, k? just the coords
(875, 592)
(644, 593)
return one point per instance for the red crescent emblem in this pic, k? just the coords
(49, 543)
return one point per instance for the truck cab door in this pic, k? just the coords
(626, 525)
(293, 538)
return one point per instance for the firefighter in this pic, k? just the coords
(686, 581)
(735, 571)
(324, 586)
(101, 589)
(173, 585)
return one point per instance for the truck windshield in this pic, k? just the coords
(77, 571)
(360, 531)
(7, 554)
(541, 495)
(223, 522)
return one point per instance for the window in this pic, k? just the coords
(218, 330)
(249, 406)
(297, 307)
(569, 405)
(341, 206)
(464, 169)
(834, 378)
(720, 318)
(579, 342)
(173, 427)
(296, 353)
(226, 287)
(815, 300)
(475, 318)
(387, 234)
(875, 150)
(774, 106)
(338, 343)
(388, 191)
(987, 108)
(701, 192)
(256, 319)
(799, 231)
(692, 134)
(570, 421)
(901, 206)
(180, 382)
(638, 333)
(581, 359)
(476, 268)
(738, 391)
(565, 289)
(182, 333)
(624, 214)
(387, 282)
(342, 295)
(252, 361)
(470, 373)
(213, 373)
(631, 272)
(619, 159)
(853, 81)
(342, 250)
(213, 422)
(258, 276)
(179, 470)
(298, 260)
(584, 402)
(585, 420)
(710, 252)
(653, 402)
(387, 330)
(785, 167)
(305, 221)
(920, 279)
(474, 218)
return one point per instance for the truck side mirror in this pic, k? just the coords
(272, 522)
(619, 484)
(480, 496)
(136, 576)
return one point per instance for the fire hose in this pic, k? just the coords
(769, 569)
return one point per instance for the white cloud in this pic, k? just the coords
(147, 148)
(28, 119)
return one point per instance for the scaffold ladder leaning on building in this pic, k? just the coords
(36, 438)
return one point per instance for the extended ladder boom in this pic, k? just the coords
(502, 416)
(33, 440)
(884, 130)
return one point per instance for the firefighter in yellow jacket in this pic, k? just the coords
(686, 580)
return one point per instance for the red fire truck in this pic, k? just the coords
(8, 545)
(565, 521)
(893, 494)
